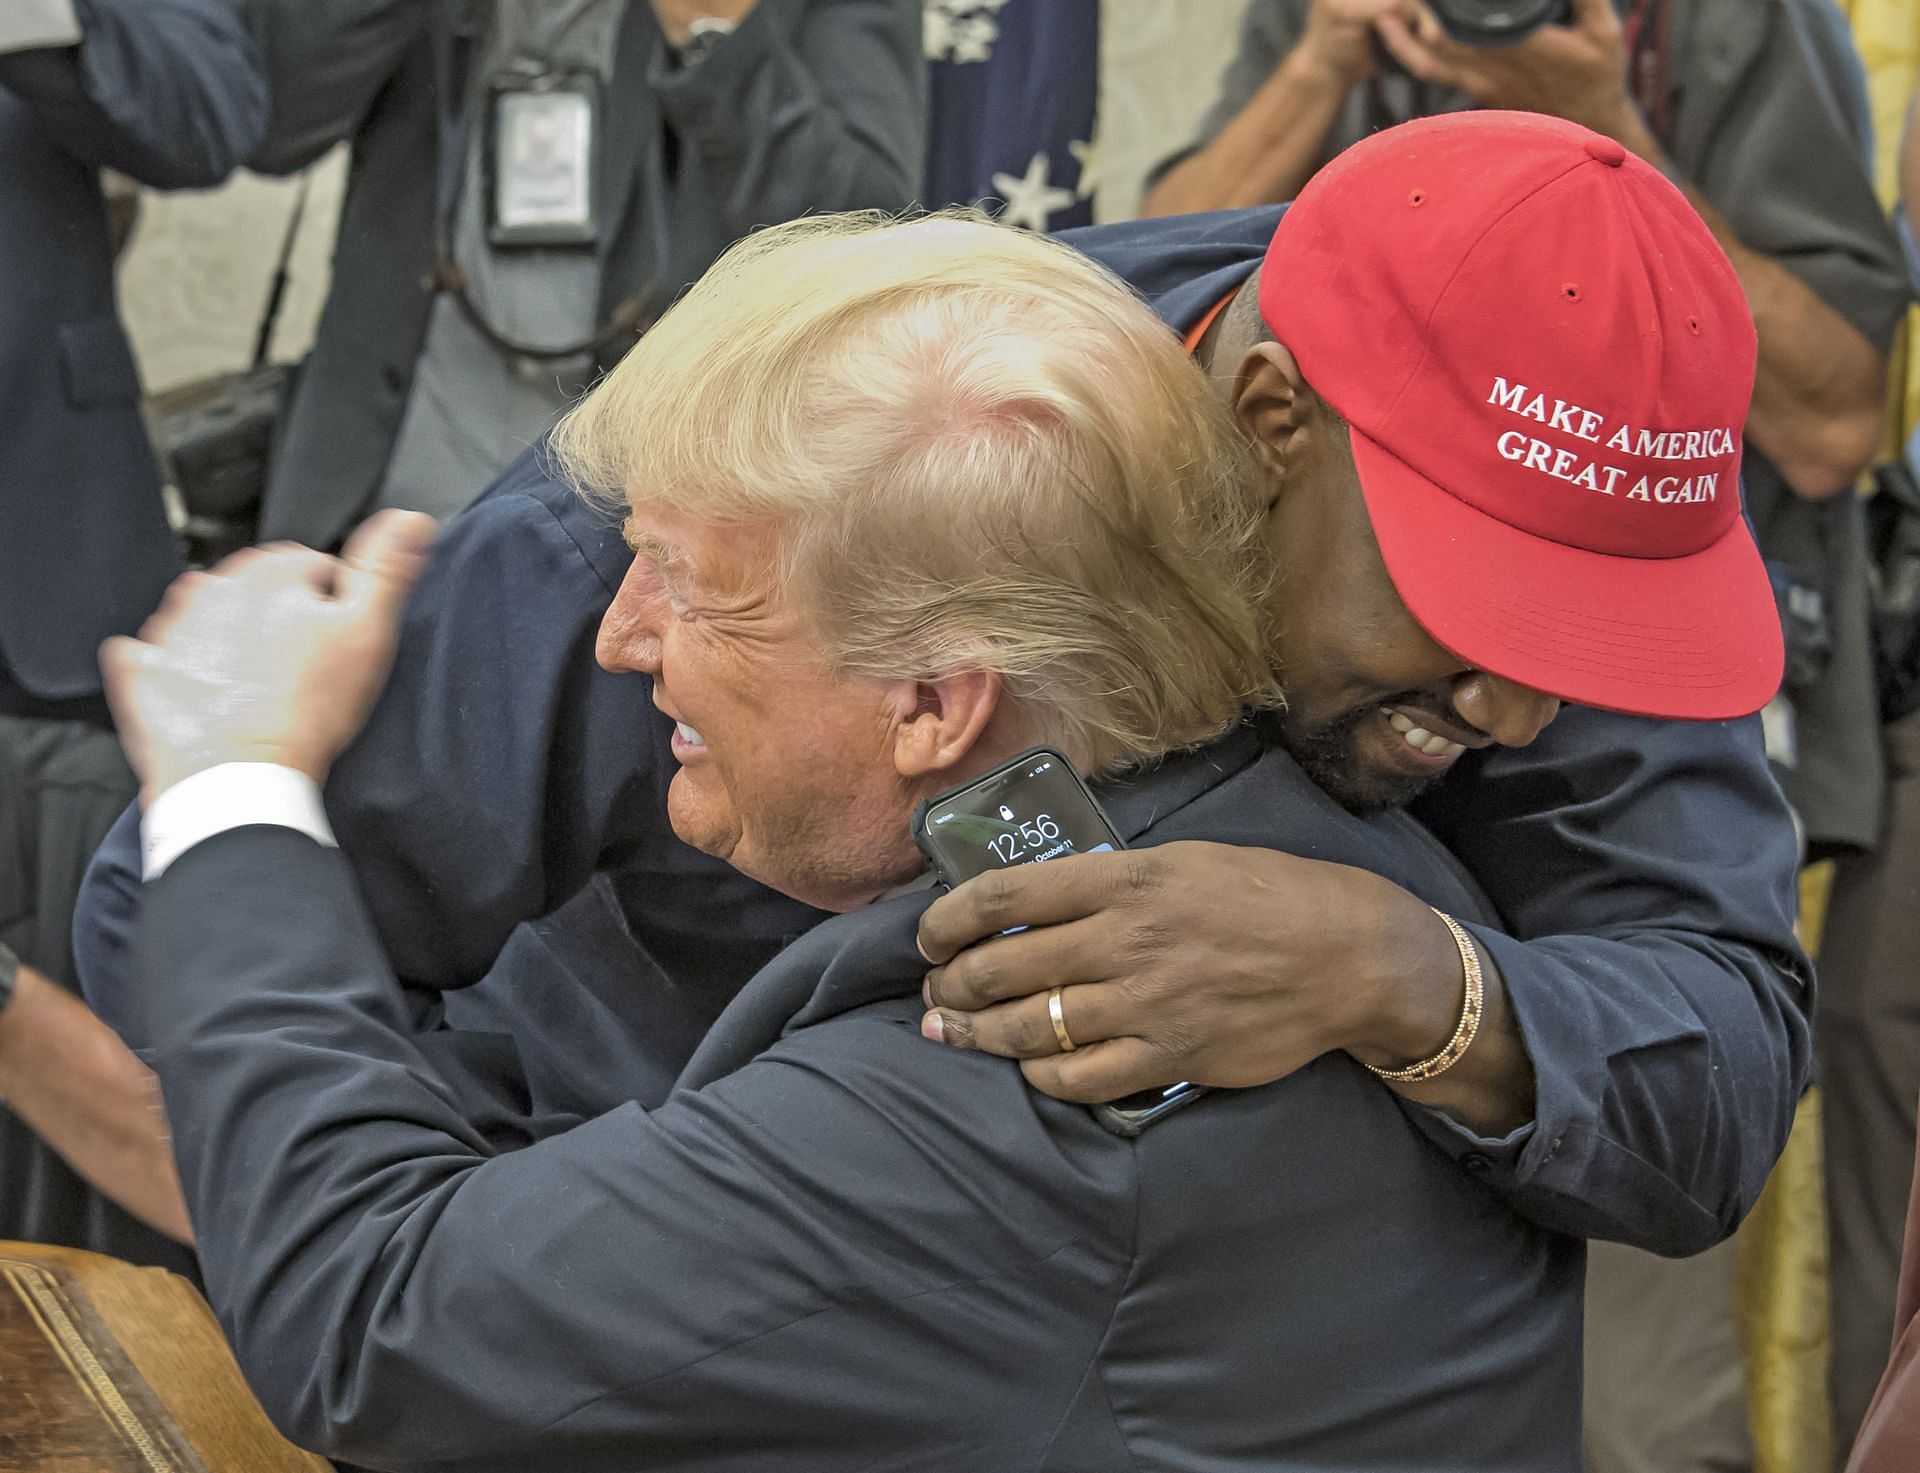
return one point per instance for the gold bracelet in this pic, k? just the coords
(1464, 1034)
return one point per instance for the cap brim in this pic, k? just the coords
(1692, 638)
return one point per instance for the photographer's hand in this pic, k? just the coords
(1577, 71)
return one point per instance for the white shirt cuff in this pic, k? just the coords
(230, 796)
(27, 25)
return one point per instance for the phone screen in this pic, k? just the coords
(1032, 809)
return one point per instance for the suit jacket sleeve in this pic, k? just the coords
(169, 92)
(1647, 872)
(737, 1271)
(826, 112)
(328, 61)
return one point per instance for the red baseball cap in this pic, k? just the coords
(1544, 360)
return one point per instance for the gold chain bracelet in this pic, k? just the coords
(1463, 1035)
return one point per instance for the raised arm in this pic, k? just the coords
(1647, 871)
(169, 92)
(1646, 1037)
(499, 770)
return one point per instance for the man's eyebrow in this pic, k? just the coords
(663, 555)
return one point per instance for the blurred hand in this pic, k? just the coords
(1221, 965)
(1577, 71)
(1339, 35)
(276, 655)
(677, 16)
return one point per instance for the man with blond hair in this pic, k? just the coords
(905, 500)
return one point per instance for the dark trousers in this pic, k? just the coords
(62, 784)
(1868, 1036)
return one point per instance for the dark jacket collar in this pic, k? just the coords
(869, 956)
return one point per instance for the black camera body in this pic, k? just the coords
(1499, 22)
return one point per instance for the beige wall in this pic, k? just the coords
(195, 281)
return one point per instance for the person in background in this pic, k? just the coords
(168, 93)
(1869, 1039)
(1754, 109)
(531, 185)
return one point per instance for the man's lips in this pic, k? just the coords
(686, 740)
(688, 745)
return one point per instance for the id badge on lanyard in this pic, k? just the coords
(542, 150)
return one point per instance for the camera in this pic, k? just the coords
(1498, 22)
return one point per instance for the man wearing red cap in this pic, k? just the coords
(1535, 422)
(1757, 108)
(1503, 431)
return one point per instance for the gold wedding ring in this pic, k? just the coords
(1067, 1045)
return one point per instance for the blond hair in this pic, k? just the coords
(980, 452)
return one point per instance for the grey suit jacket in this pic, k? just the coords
(169, 92)
(810, 105)
(835, 1246)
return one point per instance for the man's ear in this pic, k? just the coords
(942, 721)
(1270, 401)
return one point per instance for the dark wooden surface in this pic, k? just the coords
(108, 1368)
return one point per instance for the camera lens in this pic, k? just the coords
(1498, 22)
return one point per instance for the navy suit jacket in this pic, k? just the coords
(169, 92)
(1643, 872)
(834, 1245)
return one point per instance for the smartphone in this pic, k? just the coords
(1027, 811)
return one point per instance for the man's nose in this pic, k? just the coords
(1513, 715)
(629, 638)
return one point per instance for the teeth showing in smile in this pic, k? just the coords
(688, 734)
(1422, 740)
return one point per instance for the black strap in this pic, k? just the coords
(456, 32)
(282, 274)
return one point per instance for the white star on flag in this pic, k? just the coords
(1031, 198)
(961, 30)
(1087, 156)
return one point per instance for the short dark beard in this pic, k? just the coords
(1327, 753)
